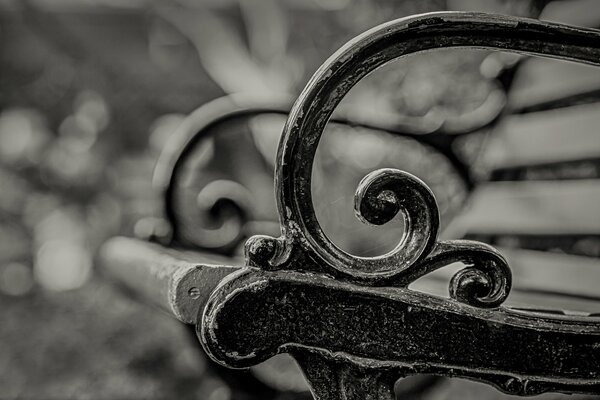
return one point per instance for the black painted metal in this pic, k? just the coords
(200, 124)
(351, 322)
(226, 204)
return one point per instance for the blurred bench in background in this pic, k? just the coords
(540, 205)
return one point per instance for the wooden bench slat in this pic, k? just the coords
(541, 80)
(546, 272)
(530, 139)
(553, 103)
(546, 207)
(574, 12)
(586, 168)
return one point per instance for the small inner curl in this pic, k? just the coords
(377, 208)
(477, 288)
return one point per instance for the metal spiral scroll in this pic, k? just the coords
(486, 280)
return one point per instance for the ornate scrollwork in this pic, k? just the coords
(338, 312)
(383, 194)
(380, 196)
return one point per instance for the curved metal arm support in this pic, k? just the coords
(363, 55)
(351, 320)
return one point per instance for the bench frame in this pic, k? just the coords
(351, 322)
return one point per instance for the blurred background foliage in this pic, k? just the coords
(90, 92)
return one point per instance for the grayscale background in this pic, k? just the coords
(90, 92)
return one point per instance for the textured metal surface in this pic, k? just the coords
(351, 322)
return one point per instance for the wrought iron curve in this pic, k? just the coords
(351, 322)
(363, 55)
(198, 127)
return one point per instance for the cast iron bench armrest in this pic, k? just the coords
(363, 337)
(351, 322)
